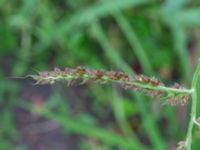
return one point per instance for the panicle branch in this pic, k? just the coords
(176, 94)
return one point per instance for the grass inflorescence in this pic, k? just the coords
(175, 95)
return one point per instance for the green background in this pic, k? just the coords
(158, 38)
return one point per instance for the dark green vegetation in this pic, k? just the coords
(155, 38)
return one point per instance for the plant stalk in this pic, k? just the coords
(193, 107)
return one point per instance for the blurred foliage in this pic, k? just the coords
(153, 37)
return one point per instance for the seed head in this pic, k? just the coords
(149, 86)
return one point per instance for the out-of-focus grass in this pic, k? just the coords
(114, 60)
(146, 36)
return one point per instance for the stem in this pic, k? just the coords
(196, 122)
(193, 109)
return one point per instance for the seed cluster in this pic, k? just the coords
(140, 83)
(179, 100)
(93, 75)
(145, 79)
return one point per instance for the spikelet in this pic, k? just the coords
(181, 145)
(180, 100)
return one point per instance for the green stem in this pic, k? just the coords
(193, 109)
